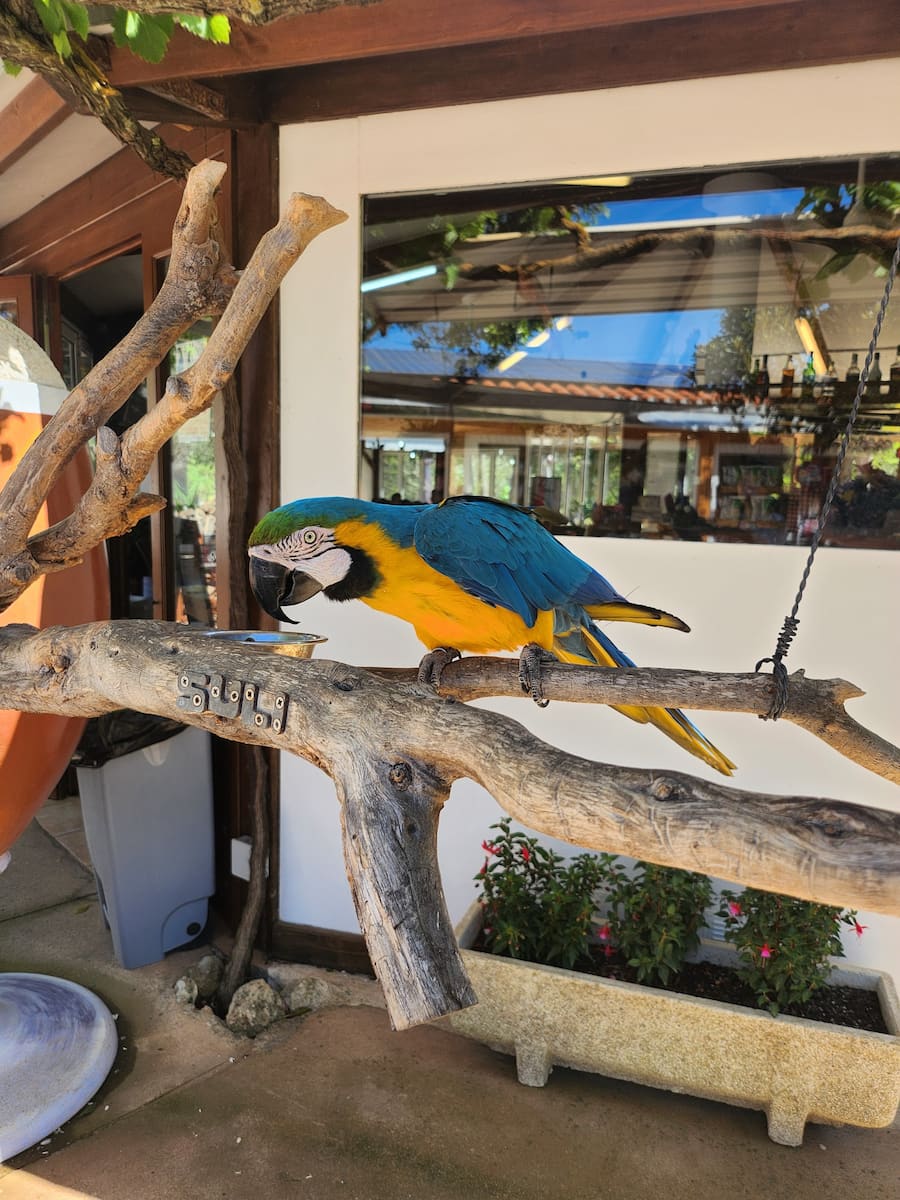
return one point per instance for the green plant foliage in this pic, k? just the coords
(146, 34)
(784, 943)
(655, 918)
(536, 906)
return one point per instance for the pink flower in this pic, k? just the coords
(483, 870)
(859, 928)
(603, 933)
(734, 908)
(526, 854)
(765, 950)
(489, 847)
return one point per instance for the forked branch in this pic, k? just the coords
(198, 283)
(375, 737)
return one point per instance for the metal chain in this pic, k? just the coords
(789, 627)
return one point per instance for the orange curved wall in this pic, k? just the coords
(36, 747)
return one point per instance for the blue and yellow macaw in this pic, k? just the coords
(469, 574)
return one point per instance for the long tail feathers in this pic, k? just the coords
(638, 614)
(671, 721)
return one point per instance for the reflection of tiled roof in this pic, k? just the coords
(597, 391)
(390, 361)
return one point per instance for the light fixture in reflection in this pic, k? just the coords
(511, 360)
(600, 181)
(397, 277)
(539, 339)
(562, 323)
(810, 345)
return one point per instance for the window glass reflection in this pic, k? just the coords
(658, 356)
(194, 496)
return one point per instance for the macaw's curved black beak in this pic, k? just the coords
(274, 585)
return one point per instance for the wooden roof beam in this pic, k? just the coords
(33, 113)
(398, 26)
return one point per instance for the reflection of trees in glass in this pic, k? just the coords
(194, 473)
(729, 354)
(612, 479)
(412, 474)
(477, 347)
(831, 204)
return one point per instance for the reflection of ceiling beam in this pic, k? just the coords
(29, 117)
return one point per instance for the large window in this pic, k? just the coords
(668, 355)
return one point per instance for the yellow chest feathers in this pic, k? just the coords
(441, 613)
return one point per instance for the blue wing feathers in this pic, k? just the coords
(503, 556)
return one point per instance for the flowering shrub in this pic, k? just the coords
(540, 908)
(784, 943)
(536, 906)
(655, 918)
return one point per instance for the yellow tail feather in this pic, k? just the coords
(665, 719)
(638, 614)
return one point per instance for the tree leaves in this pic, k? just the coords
(145, 34)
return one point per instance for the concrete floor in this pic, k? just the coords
(336, 1105)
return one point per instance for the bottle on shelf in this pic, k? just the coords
(762, 379)
(808, 379)
(830, 382)
(787, 377)
(873, 383)
(894, 378)
(853, 370)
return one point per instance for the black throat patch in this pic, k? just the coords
(361, 579)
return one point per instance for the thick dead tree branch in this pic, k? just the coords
(82, 80)
(248, 12)
(374, 738)
(816, 705)
(197, 284)
(866, 239)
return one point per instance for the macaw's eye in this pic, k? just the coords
(309, 536)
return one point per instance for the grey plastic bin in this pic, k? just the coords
(148, 820)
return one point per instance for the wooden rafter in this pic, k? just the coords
(36, 111)
(402, 26)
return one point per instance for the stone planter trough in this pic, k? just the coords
(794, 1070)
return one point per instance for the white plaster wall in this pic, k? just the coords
(733, 596)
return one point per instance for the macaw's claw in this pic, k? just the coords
(431, 668)
(531, 660)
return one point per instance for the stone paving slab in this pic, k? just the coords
(337, 1105)
(40, 875)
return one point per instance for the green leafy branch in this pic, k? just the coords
(146, 34)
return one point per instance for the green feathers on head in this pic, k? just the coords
(327, 512)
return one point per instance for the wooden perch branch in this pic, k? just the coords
(374, 737)
(816, 705)
(196, 284)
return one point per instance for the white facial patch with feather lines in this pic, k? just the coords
(311, 550)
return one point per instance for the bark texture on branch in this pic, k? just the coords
(248, 12)
(816, 705)
(197, 284)
(81, 81)
(361, 728)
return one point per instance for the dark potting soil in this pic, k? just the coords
(835, 1005)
